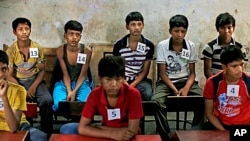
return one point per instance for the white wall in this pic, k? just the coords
(103, 20)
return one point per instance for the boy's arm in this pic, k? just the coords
(164, 77)
(66, 78)
(32, 89)
(84, 69)
(207, 67)
(184, 91)
(143, 74)
(10, 76)
(210, 116)
(85, 128)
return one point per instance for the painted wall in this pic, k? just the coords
(103, 20)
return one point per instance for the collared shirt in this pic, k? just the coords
(177, 66)
(24, 68)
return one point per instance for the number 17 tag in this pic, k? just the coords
(81, 58)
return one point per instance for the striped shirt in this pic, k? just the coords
(134, 60)
(212, 51)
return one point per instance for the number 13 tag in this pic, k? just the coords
(114, 114)
(81, 58)
(185, 54)
(34, 52)
(233, 90)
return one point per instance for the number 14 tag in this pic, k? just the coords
(81, 58)
(233, 90)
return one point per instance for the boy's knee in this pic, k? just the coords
(69, 128)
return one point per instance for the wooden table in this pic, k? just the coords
(61, 137)
(18, 136)
(203, 135)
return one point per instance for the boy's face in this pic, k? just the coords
(135, 27)
(234, 69)
(3, 71)
(111, 85)
(73, 37)
(22, 32)
(226, 32)
(178, 34)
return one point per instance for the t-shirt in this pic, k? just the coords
(128, 106)
(25, 68)
(17, 99)
(177, 64)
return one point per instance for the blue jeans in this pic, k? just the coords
(60, 92)
(35, 134)
(69, 128)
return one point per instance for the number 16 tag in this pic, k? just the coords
(81, 58)
(185, 54)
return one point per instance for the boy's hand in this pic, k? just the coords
(71, 96)
(122, 135)
(184, 91)
(3, 87)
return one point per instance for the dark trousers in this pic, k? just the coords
(160, 96)
(44, 101)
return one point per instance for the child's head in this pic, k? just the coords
(134, 16)
(111, 66)
(73, 25)
(178, 21)
(224, 19)
(4, 61)
(20, 20)
(231, 53)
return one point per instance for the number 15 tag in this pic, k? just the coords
(81, 58)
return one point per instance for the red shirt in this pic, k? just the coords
(230, 110)
(129, 103)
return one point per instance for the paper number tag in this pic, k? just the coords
(34, 52)
(141, 47)
(233, 90)
(185, 54)
(81, 58)
(114, 114)
(1, 104)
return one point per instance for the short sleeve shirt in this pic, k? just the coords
(25, 68)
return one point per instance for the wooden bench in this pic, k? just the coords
(31, 112)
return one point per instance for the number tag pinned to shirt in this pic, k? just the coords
(81, 58)
(1, 104)
(185, 54)
(233, 90)
(141, 47)
(114, 114)
(34, 52)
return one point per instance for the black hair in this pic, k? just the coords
(73, 25)
(231, 53)
(20, 20)
(224, 19)
(178, 21)
(111, 66)
(4, 57)
(134, 16)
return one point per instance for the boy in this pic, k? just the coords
(74, 61)
(27, 68)
(175, 59)
(138, 53)
(227, 93)
(13, 103)
(225, 26)
(119, 105)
